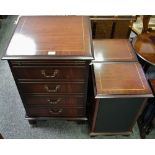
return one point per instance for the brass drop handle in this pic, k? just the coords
(52, 90)
(56, 111)
(53, 75)
(50, 101)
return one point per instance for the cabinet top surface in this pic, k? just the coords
(51, 37)
(120, 79)
(113, 50)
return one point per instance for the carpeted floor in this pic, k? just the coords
(12, 122)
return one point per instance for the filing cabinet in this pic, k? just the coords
(49, 58)
(117, 98)
(118, 88)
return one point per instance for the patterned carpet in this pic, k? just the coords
(12, 122)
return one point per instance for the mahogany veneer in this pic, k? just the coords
(49, 58)
(51, 37)
(144, 44)
(118, 88)
(113, 50)
(119, 94)
(55, 100)
(120, 78)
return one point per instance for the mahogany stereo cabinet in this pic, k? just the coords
(49, 57)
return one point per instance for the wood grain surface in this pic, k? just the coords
(144, 45)
(51, 37)
(113, 50)
(120, 78)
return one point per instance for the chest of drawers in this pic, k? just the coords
(49, 58)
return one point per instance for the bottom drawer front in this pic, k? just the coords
(56, 112)
(54, 100)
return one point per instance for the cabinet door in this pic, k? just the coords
(122, 29)
(118, 114)
(103, 29)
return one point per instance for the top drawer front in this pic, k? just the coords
(71, 73)
(47, 62)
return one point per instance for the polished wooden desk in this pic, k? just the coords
(49, 58)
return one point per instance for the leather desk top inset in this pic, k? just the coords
(113, 50)
(50, 37)
(120, 79)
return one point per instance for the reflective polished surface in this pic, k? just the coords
(22, 44)
(144, 45)
(113, 50)
(52, 36)
(120, 78)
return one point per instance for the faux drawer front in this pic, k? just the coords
(57, 73)
(52, 87)
(56, 100)
(56, 112)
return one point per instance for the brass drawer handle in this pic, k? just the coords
(56, 111)
(50, 101)
(52, 90)
(53, 75)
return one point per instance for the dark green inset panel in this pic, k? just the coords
(117, 114)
